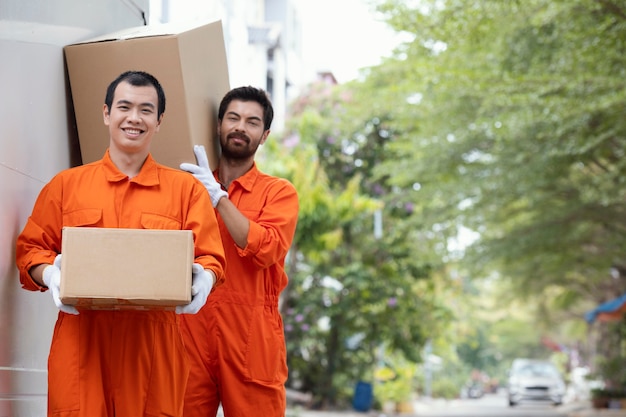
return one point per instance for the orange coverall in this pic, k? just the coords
(236, 343)
(118, 363)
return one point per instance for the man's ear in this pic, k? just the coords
(264, 137)
(105, 114)
(158, 126)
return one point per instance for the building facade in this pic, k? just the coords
(263, 41)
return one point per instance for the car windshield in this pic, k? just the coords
(538, 369)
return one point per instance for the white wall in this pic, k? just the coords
(37, 140)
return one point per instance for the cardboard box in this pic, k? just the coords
(106, 268)
(189, 62)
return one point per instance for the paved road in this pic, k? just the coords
(488, 406)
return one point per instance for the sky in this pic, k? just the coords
(343, 36)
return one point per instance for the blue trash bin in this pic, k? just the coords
(363, 396)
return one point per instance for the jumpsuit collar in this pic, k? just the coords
(148, 175)
(247, 180)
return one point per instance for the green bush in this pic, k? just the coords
(397, 389)
(445, 388)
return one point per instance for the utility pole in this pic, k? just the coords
(428, 371)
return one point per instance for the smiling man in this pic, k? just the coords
(106, 363)
(236, 342)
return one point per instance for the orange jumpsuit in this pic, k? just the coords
(118, 363)
(236, 343)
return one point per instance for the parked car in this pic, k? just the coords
(535, 380)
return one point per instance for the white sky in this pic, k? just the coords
(342, 36)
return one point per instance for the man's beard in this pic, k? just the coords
(239, 152)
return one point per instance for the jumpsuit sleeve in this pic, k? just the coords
(271, 235)
(209, 251)
(40, 240)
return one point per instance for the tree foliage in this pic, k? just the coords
(505, 118)
(354, 289)
(512, 121)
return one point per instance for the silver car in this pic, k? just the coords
(535, 380)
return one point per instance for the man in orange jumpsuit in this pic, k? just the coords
(236, 342)
(120, 363)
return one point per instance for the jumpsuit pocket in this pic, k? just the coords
(265, 351)
(83, 217)
(63, 365)
(158, 221)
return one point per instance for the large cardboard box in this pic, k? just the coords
(106, 268)
(189, 62)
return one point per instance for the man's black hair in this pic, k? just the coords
(249, 94)
(138, 79)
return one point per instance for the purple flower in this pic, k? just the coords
(291, 141)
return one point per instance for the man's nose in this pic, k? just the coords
(240, 125)
(134, 116)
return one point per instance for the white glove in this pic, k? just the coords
(52, 279)
(204, 174)
(201, 283)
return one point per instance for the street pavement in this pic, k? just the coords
(571, 409)
(584, 409)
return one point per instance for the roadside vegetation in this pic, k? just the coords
(463, 203)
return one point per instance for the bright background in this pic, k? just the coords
(342, 36)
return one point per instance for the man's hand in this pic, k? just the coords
(201, 283)
(52, 279)
(203, 173)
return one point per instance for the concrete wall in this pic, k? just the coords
(37, 140)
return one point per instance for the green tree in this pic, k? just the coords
(502, 117)
(355, 289)
(510, 116)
